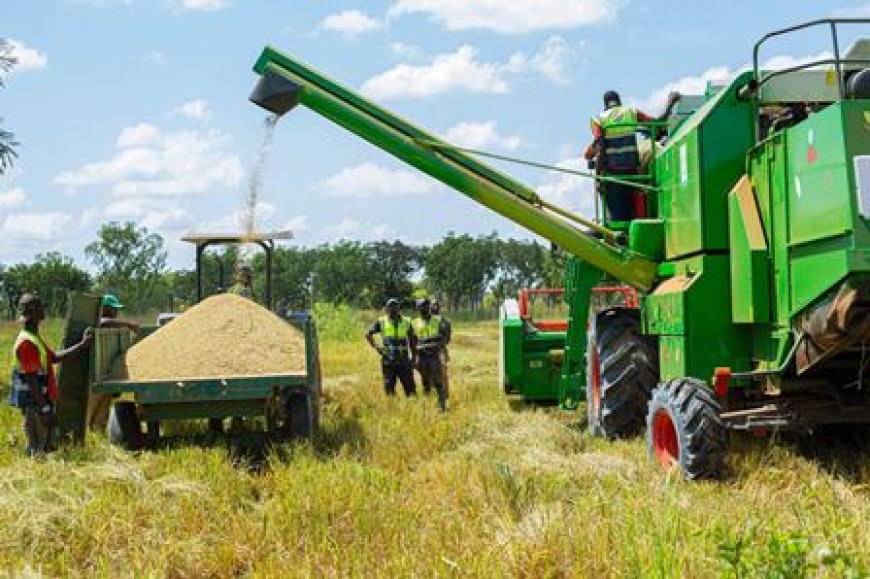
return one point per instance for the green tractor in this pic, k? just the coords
(743, 295)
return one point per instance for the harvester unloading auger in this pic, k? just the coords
(748, 284)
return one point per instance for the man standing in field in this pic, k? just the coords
(99, 405)
(398, 349)
(430, 341)
(446, 334)
(34, 385)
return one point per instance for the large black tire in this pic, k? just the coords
(125, 428)
(684, 428)
(621, 371)
(301, 417)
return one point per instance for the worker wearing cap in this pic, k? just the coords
(446, 334)
(430, 341)
(244, 282)
(397, 350)
(614, 147)
(100, 404)
(34, 384)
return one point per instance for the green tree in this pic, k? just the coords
(291, 281)
(461, 267)
(51, 275)
(343, 273)
(130, 261)
(520, 265)
(395, 262)
(7, 139)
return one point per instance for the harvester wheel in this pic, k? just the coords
(125, 428)
(684, 428)
(621, 371)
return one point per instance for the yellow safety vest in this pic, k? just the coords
(618, 127)
(395, 335)
(428, 332)
(19, 393)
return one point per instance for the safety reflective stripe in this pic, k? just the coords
(395, 335)
(618, 127)
(18, 382)
(428, 332)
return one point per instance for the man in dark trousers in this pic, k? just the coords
(447, 334)
(398, 348)
(34, 385)
(430, 341)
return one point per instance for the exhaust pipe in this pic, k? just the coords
(276, 94)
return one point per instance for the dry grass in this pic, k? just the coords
(393, 488)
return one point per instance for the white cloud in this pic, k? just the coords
(482, 135)
(860, 11)
(406, 51)
(137, 135)
(370, 180)
(514, 17)
(297, 224)
(151, 163)
(12, 198)
(350, 23)
(26, 58)
(22, 229)
(200, 5)
(156, 57)
(456, 71)
(717, 75)
(349, 228)
(552, 60)
(569, 191)
(196, 109)
(463, 71)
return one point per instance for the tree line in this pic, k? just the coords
(463, 271)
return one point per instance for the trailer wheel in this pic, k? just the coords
(300, 417)
(125, 428)
(621, 371)
(684, 428)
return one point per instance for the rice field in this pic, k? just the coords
(390, 487)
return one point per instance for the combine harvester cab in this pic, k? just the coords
(744, 280)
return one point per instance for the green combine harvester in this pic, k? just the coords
(745, 291)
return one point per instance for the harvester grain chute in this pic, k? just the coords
(751, 269)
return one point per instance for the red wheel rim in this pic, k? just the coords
(596, 381)
(664, 439)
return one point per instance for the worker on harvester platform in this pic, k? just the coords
(398, 349)
(430, 341)
(99, 405)
(615, 152)
(34, 385)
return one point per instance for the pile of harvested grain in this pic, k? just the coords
(224, 335)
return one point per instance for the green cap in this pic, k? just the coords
(111, 301)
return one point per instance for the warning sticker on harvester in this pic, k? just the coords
(684, 164)
(862, 182)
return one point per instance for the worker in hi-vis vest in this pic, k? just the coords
(430, 341)
(447, 335)
(34, 385)
(397, 349)
(615, 152)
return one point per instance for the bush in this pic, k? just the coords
(338, 323)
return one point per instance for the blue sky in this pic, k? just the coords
(137, 109)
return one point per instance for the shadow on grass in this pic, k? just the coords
(841, 450)
(253, 448)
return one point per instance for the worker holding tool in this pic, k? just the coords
(99, 405)
(244, 282)
(615, 152)
(430, 341)
(398, 350)
(34, 385)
